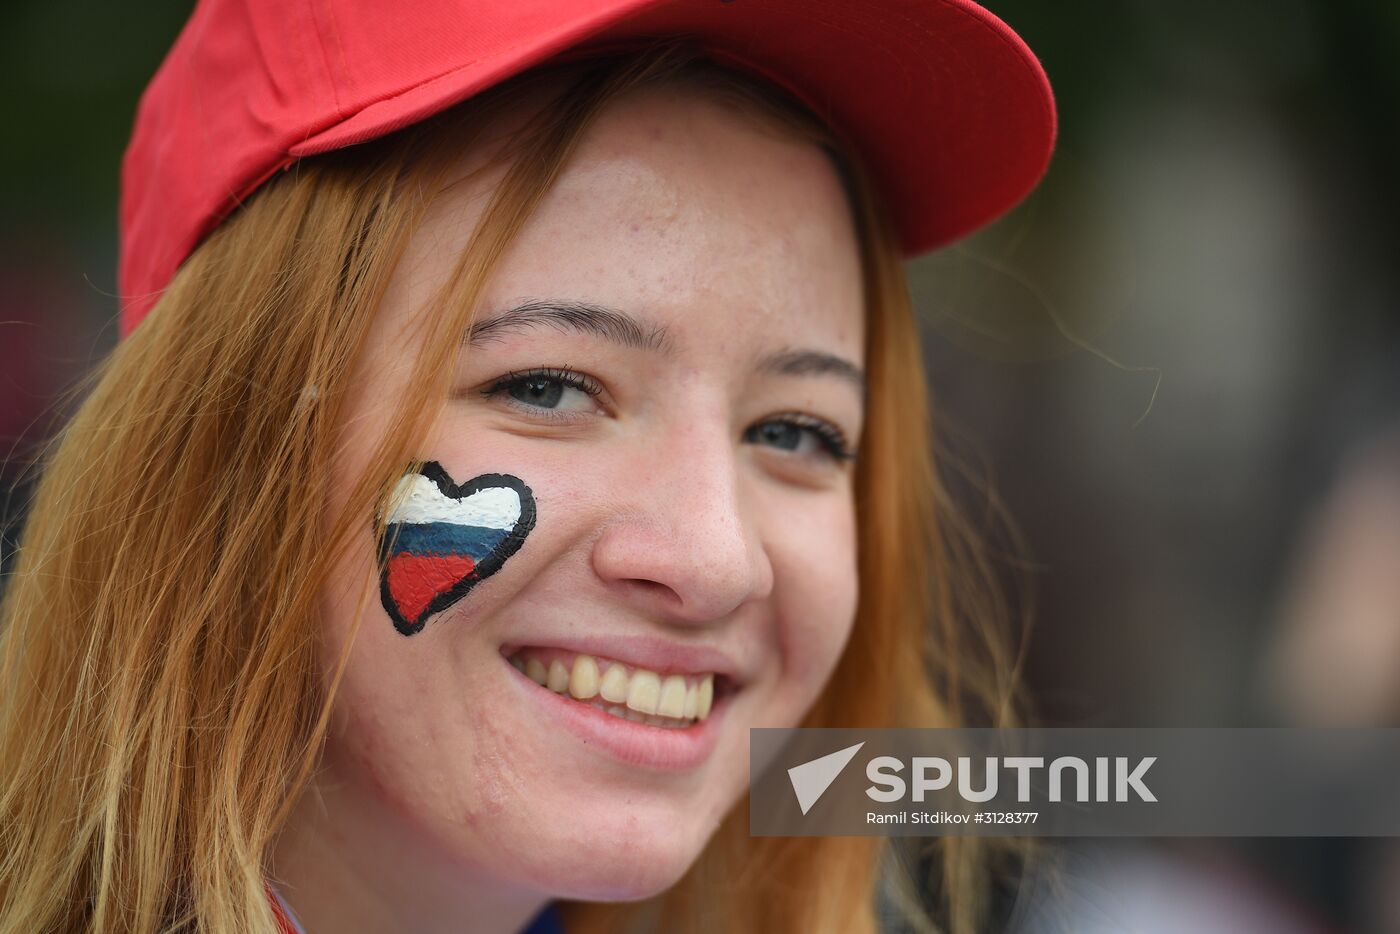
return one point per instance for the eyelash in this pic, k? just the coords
(564, 375)
(832, 439)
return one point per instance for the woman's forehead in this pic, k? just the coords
(687, 214)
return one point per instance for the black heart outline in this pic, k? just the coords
(488, 566)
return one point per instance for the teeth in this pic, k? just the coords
(692, 699)
(644, 691)
(558, 677)
(706, 697)
(622, 713)
(672, 702)
(583, 682)
(614, 687)
(643, 697)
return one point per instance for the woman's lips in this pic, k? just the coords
(670, 749)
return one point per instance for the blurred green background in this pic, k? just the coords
(1177, 367)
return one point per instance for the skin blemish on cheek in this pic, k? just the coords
(442, 538)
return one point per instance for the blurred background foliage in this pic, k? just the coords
(1176, 367)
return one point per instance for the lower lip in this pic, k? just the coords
(638, 744)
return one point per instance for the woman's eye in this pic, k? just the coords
(560, 393)
(803, 435)
(553, 390)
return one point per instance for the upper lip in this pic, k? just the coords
(641, 651)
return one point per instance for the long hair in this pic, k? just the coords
(160, 700)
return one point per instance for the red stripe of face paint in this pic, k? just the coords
(414, 580)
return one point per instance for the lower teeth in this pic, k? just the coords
(627, 713)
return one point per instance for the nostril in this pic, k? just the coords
(653, 591)
(685, 605)
(644, 584)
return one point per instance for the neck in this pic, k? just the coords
(343, 865)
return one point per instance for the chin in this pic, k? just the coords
(613, 855)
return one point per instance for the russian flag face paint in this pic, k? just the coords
(441, 539)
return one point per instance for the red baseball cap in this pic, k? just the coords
(948, 108)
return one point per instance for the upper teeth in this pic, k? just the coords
(677, 696)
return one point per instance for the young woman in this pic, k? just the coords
(457, 500)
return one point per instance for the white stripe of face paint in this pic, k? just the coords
(419, 500)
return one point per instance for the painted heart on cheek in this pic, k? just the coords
(441, 539)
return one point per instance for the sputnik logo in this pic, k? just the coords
(810, 780)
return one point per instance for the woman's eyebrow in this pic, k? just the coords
(813, 363)
(565, 315)
(621, 328)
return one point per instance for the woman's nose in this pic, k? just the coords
(681, 545)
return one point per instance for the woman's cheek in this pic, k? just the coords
(816, 585)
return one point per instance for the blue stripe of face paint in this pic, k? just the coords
(444, 538)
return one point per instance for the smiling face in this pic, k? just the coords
(668, 357)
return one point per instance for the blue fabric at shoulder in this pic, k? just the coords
(546, 922)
